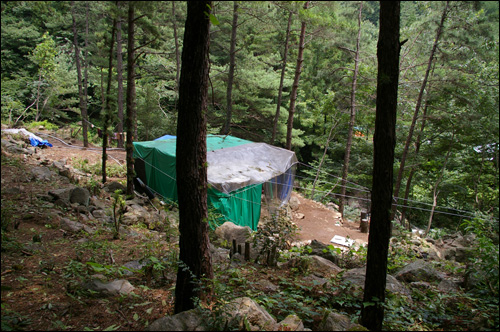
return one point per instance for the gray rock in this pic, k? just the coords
(116, 287)
(291, 323)
(357, 277)
(229, 231)
(42, 173)
(337, 322)
(80, 195)
(63, 194)
(113, 186)
(245, 308)
(190, 320)
(74, 226)
(419, 270)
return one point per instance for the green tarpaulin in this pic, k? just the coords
(237, 169)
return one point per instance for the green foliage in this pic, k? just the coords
(273, 235)
(112, 168)
(485, 260)
(118, 211)
(32, 126)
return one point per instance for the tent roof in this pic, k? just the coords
(233, 163)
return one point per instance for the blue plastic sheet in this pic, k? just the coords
(41, 143)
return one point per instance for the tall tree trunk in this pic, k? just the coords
(131, 117)
(435, 191)
(106, 108)
(417, 110)
(347, 155)
(413, 168)
(295, 86)
(83, 104)
(232, 52)
(328, 140)
(86, 75)
(384, 143)
(119, 73)
(195, 261)
(177, 56)
(282, 79)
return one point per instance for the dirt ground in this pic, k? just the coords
(315, 221)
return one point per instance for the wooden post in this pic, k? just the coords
(239, 249)
(363, 224)
(247, 251)
(234, 247)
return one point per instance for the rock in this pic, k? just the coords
(63, 194)
(11, 191)
(42, 174)
(219, 255)
(74, 226)
(419, 270)
(257, 317)
(291, 323)
(267, 286)
(357, 277)
(116, 287)
(337, 322)
(80, 195)
(98, 213)
(321, 249)
(229, 231)
(113, 186)
(294, 203)
(323, 267)
(190, 320)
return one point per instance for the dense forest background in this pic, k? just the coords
(57, 67)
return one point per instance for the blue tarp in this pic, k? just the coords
(164, 137)
(36, 142)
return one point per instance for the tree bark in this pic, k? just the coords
(282, 79)
(384, 143)
(195, 261)
(83, 104)
(328, 140)
(106, 109)
(86, 76)
(119, 73)
(295, 86)
(230, 79)
(177, 56)
(417, 110)
(130, 119)
(435, 191)
(352, 119)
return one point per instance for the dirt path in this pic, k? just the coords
(322, 224)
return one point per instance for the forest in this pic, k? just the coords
(447, 122)
(301, 75)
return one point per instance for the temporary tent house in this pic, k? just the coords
(238, 172)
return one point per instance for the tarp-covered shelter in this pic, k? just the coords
(238, 172)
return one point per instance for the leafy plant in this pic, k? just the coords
(274, 234)
(118, 211)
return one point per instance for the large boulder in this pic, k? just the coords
(337, 322)
(229, 231)
(116, 287)
(80, 195)
(419, 270)
(244, 308)
(357, 277)
(190, 320)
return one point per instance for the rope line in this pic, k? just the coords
(436, 211)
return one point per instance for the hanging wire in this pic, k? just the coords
(436, 211)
